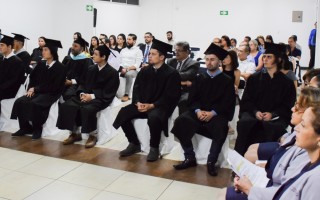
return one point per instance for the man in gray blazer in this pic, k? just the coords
(187, 69)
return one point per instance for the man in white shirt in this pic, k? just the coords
(246, 67)
(170, 39)
(131, 58)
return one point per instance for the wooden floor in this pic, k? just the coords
(110, 158)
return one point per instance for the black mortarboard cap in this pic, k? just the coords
(52, 43)
(82, 42)
(19, 37)
(104, 50)
(272, 48)
(6, 40)
(216, 50)
(161, 46)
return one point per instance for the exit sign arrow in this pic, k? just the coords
(224, 12)
(89, 7)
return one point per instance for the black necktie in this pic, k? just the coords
(179, 65)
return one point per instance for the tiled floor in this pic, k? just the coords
(37, 177)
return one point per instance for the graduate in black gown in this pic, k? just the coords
(265, 108)
(212, 104)
(77, 64)
(45, 88)
(79, 114)
(18, 43)
(156, 93)
(11, 70)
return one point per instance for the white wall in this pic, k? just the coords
(199, 21)
(195, 21)
(56, 19)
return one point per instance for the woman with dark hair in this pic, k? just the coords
(269, 39)
(121, 41)
(261, 41)
(113, 42)
(45, 87)
(93, 45)
(233, 43)
(230, 67)
(225, 42)
(36, 55)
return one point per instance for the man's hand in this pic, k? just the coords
(85, 98)
(123, 71)
(30, 92)
(259, 115)
(267, 116)
(208, 116)
(243, 184)
(144, 107)
(68, 82)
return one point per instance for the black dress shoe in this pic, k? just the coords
(20, 132)
(212, 170)
(130, 150)
(36, 135)
(186, 164)
(153, 154)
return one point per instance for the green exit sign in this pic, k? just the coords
(224, 12)
(89, 7)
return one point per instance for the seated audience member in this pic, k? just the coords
(261, 41)
(102, 38)
(233, 43)
(93, 45)
(145, 48)
(77, 64)
(212, 104)
(94, 94)
(246, 68)
(255, 54)
(113, 42)
(36, 55)
(309, 75)
(170, 39)
(294, 51)
(225, 43)
(287, 68)
(131, 58)
(156, 93)
(121, 42)
(269, 39)
(286, 161)
(247, 39)
(266, 102)
(217, 41)
(187, 69)
(11, 70)
(230, 67)
(76, 35)
(18, 44)
(45, 88)
(263, 151)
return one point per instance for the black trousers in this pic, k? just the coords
(35, 109)
(187, 124)
(312, 56)
(74, 112)
(156, 118)
(251, 130)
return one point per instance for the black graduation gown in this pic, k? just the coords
(26, 59)
(207, 94)
(159, 87)
(276, 95)
(75, 69)
(11, 77)
(104, 85)
(48, 85)
(36, 55)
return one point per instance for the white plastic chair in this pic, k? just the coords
(166, 143)
(104, 124)
(49, 128)
(7, 124)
